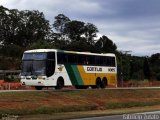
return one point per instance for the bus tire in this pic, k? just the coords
(98, 82)
(38, 87)
(60, 83)
(104, 83)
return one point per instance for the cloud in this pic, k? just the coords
(132, 24)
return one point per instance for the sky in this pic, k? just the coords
(133, 25)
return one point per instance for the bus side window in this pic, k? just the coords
(97, 60)
(80, 59)
(85, 60)
(59, 58)
(50, 68)
(51, 55)
(113, 61)
(72, 58)
(110, 61)
(62, 58)
(92, 60)
(107, 61)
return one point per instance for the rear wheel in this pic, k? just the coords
(104, 83)
(98, 83)
(38, 87)
(60, 83)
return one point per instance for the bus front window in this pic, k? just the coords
(26, 68)
(39, 67)
(38, 64)
(33, 67)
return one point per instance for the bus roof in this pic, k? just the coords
(75, 52)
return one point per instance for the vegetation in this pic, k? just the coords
(25, 29)
(24, 103)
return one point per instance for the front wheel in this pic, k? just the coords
(60, 83)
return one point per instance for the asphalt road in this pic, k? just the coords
(155, 115)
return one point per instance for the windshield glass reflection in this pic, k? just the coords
(33, 68)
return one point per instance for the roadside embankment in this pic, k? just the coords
(48, 102)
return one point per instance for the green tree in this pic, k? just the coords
(146, 69)
(73, 34)
(41, 44)
(80, 45)
(74, 30)
(22, 27)
(155, 63)
(60, 21)
(90, 32)
(105, 45)
(60, 25)
(33, 27)
(136, 68)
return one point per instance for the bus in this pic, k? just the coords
(60, 68)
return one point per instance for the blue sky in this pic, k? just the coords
(132, 24)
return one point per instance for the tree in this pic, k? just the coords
(136, 67)
(41, 44)
(90, 32)
(22, 27)
(60, 22)
(74, 30)
(75, 35)
(105, 45)
(146, 69)
(155, 63)
(33, 27)
(81, 45)
(5, 21)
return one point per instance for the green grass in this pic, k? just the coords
(115, 105)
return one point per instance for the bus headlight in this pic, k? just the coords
(41, 77)
(22, 77)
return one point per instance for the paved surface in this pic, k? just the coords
(133, 116)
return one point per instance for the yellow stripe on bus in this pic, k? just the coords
(90, 78)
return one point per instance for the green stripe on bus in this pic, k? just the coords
(77, 74)
(74, 74)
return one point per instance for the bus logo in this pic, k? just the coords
(94, 69)
(61, 68)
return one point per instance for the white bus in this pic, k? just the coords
(59, 68)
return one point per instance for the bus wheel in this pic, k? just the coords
(98, 82)
(104, 83)
(60, 83)
(38, 87)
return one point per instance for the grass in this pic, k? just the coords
(114, 105)
(49, 102)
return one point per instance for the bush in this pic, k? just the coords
(158, 76)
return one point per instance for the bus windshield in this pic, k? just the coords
(34, 56)
(33, 67)
(38, 64)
